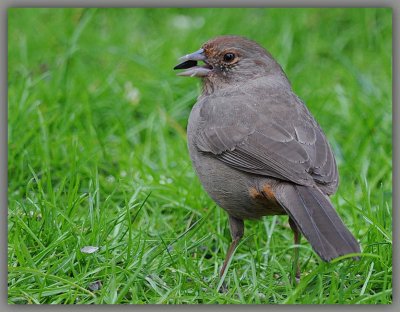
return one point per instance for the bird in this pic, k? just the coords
(257, 149)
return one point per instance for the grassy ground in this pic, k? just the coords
(97, 157)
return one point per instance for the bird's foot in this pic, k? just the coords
(295, 279)
(223, 289)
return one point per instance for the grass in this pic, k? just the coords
(97, 157)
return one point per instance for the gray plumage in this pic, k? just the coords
(256, 147)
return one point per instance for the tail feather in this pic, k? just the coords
(317, 220)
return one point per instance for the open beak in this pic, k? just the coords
(189, 63)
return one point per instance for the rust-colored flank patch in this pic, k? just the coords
(254, 193)
(269, 193)
(266, 194)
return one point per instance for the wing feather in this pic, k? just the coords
(292, 148)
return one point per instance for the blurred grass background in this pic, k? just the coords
(97, 157)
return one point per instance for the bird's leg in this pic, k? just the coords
(297, 237)
(237, 230)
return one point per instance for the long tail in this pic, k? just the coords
(317, 220)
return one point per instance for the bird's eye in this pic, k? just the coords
(229, 57)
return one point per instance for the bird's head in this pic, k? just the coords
(230, 60)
